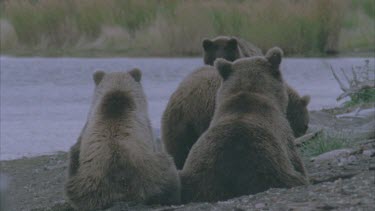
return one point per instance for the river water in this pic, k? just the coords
(45, 101)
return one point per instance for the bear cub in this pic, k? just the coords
(114, 159)
(246, 148)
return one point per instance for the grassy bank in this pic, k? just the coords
(176, 28)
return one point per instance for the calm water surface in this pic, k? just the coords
(44, 101)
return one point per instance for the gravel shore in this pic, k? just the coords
(340, 180)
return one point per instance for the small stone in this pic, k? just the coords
(317, 165)
(351, 159)
(260, 205)
(326, 207)
(338, 181)
(356, 202)
(369, 152)
(342, 161)
(332, 155)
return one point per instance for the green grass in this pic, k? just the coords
(368, 6)
(176, 28)
(365, 96)
(364, 73)
(323, 143)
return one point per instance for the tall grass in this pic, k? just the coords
(324, 143)
(359, 27)
(176, 28)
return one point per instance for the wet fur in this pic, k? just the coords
(116, 104)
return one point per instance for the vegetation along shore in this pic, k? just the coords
(176, 28)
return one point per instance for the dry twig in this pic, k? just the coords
(355, 83)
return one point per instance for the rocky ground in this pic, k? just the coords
(342, 179)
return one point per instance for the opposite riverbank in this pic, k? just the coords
(176, 28)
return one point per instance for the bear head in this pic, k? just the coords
(298, 115)
(220, 47)
(258, 74)
(118, 93)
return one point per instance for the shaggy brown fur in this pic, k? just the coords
(246, 148)
(189, 112)
(191, 106)
(297, 113)
(229, 48)
(113, 159)
(232, 48)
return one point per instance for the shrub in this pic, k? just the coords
(176, 28)
(323, 143)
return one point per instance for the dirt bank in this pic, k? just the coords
(341, 179)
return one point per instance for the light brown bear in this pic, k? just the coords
(229, 48)
(245, 150)
(113, 159)
(191, 107)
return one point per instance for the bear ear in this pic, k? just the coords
(232, 43)
(98, 76)
(305, 100)
(207, 44)
(136, 74)
(224, 67)
(274, 56)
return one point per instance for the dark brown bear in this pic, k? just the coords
(246, 148)
(191, 106)
(229, 48)
(189, 112)
(297, 113)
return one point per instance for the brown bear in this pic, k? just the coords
(114, 159)
(229, 48)
(189, 112)
(245, 150)
(232, 48)
(297, 113)
(191, 107)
